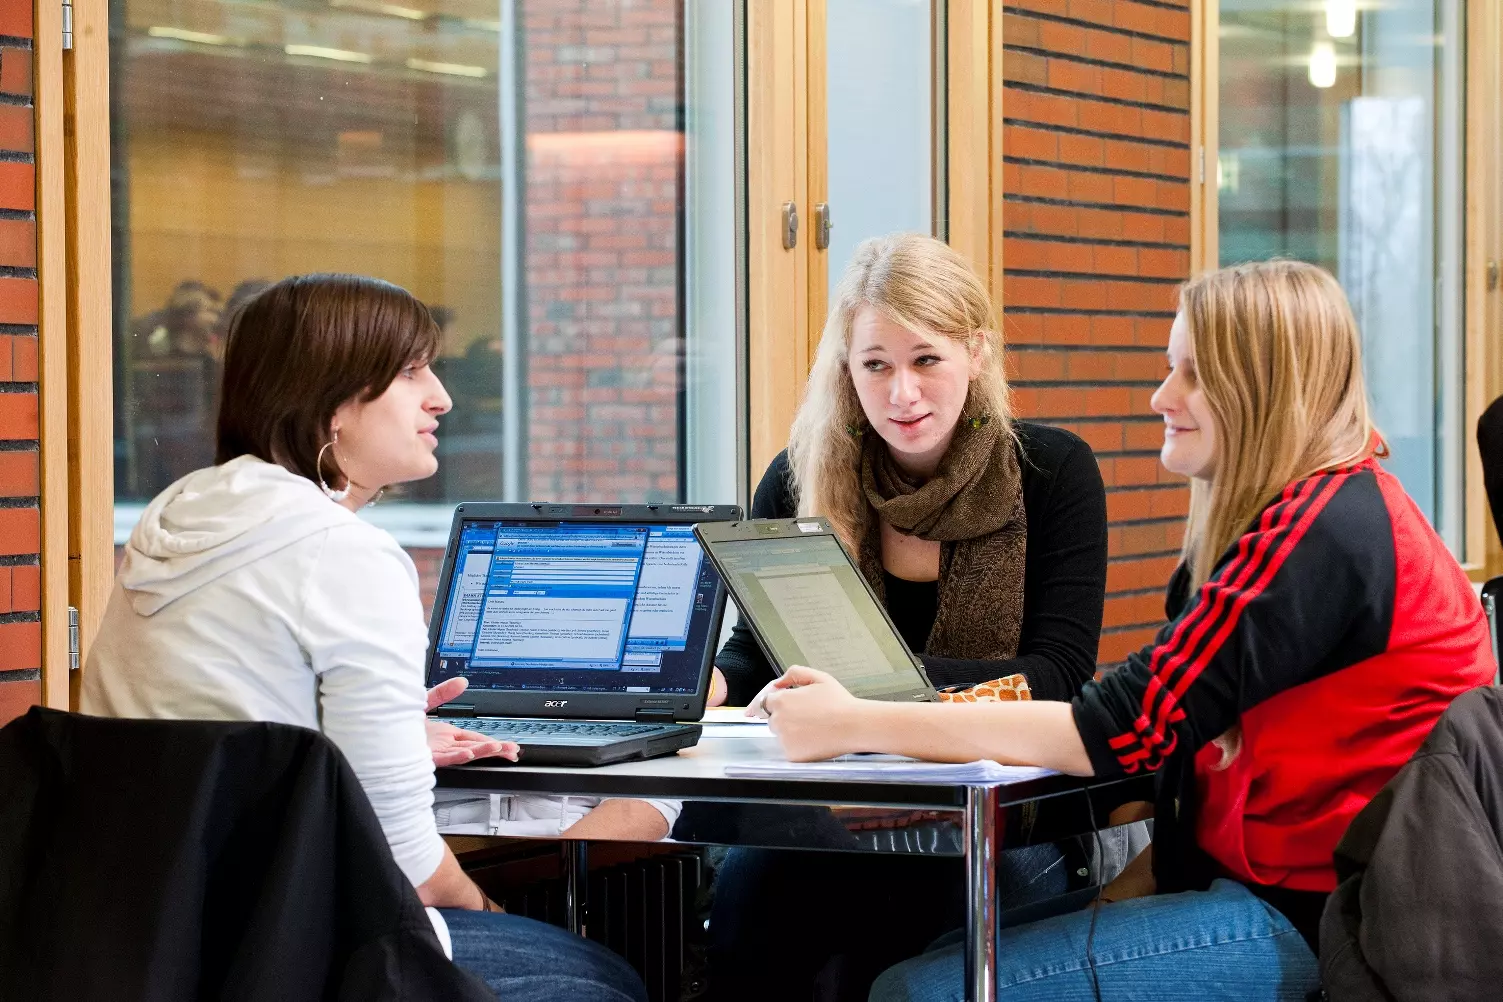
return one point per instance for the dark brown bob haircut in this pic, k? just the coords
(300, 349)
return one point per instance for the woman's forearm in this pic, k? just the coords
(1022, 733)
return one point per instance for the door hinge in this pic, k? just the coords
(822, 225)
(72, 638)
(67, 24)
(1202, 165)
(654, 715)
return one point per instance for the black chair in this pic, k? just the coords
(150, 859)
(1492, 591)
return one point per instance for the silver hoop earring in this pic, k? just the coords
(318, 463)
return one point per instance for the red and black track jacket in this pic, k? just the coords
(1335, 632)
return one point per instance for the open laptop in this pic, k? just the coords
(808, 604)
(586, 630)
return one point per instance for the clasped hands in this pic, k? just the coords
(452, 745)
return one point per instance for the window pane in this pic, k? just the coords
(1340, 144)
(879, 118)
(523, 168)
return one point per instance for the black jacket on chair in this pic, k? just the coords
(1418, 910)
(148, 859)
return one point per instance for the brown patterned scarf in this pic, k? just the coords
(973, 507)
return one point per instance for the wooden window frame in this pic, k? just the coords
(786, 290)
(1482, 336)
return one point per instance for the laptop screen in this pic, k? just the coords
(583, 606)
(811, 608)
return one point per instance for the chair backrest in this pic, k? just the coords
(192, 855)
(1492, 594)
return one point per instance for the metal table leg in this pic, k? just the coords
(981, 840)
(576, 867)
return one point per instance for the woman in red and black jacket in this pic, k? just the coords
(1318, 629)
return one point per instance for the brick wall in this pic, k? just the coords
(20, 517)
(1096, 191)
(602, 203)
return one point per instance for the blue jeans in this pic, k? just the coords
(1223, 943)
(527, 961)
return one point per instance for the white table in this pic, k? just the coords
(699, 774)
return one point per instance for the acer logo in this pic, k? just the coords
(555, 702)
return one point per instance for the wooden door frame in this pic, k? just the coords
(75, 331)
(786, 160)
(52, 348)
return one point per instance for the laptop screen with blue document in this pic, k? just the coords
(568, 605)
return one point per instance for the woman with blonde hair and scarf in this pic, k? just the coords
(1318, 629)
(984, 537)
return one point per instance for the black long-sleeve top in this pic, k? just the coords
(1064, 580)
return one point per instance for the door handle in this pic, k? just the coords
(822, 225)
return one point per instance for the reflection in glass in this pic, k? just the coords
(1341, 144)
(253, 140)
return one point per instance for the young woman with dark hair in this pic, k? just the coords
(250, 590)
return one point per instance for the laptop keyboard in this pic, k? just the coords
(560, 731)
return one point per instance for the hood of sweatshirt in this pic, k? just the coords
(216, 520)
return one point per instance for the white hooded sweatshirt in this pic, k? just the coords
(246, 594)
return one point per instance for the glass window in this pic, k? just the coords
(1341, 143)
(881, 122)
(555, 178)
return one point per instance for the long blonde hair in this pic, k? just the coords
(1279, 358)
(923, 285)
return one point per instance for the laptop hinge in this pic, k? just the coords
(455, 710)
(655, 715)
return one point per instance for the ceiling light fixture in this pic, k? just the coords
(1341, 18)
(451, 69)
(184, 35)
(1323, 65)
(321, 52)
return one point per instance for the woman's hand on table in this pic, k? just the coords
(719, 690)
(812, 714)
(452, 745)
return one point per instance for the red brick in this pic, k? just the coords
(1144, 435)
(26, 588)
(18, 300)
(1029, 144)
(18, 697)
(15, 72)
(20, 531)
(6, 604)
(1124, 609)
(1101, 436)
(1113, 331)
(23, 358)
(18, 243)
(6, 355)
(17, 187)
(1147, 538)
(16, 129)
(1026, 67)
(1116, 645)
(1139, 574)
(15, 19)
(1019, 30)
(19, 476)
(1082, 151)
(18, 416)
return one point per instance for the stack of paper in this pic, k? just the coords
(890, 769)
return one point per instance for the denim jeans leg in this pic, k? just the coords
(523, 960)
(1223, 943)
